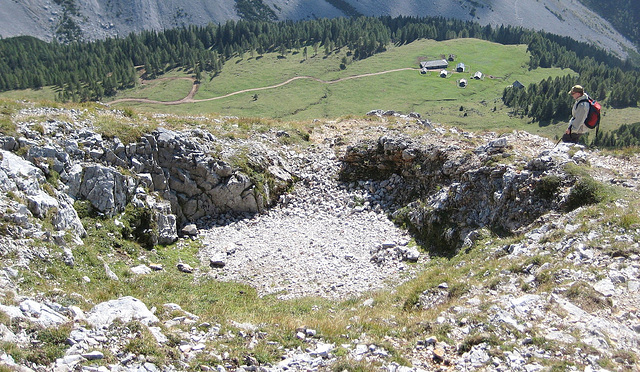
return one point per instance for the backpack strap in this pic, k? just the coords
(583, 99)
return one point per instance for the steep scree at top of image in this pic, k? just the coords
(48, 19)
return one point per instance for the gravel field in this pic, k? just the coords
(322, 241)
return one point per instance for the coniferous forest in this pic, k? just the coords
(84, 71)
(625, 136)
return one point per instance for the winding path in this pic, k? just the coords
(189, 98)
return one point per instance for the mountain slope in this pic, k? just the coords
(624, 15)
(103, 18)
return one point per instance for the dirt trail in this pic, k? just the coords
(189, 97)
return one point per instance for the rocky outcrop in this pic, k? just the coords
(30, 201)
(176, 175)
(198, 184)
(446, 191)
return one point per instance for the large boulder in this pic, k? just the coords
(105, 187)
(26, 181)
(35, 312)
(125, 309)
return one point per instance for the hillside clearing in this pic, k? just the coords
(323, 95)
(438, 99)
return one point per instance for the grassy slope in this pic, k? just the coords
(476, 107)
(402, 91)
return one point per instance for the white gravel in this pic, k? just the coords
(321, 241)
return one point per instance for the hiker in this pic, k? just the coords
(579, 114)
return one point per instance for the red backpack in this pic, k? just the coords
(593, 117)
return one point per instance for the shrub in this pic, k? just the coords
(548, 186)
(586, 191)
(84, 208)
(53, 177)
(140, 225)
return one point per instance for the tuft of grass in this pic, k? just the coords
(125, 130)
(620, 249)
(545, 344)
(51, 346)
(477, 339)
(349, 365)
(625, 357)
(7, 125)
(18, 354)
(145, 344)
(4, 318)
(629, 220)
(587, 298)
(559, 365)
(545, 279)
(129, 113)
(440, 331)
(457, 290)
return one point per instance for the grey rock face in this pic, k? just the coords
(104, 187)
(189, 183)
(448, 191)
(23, 179)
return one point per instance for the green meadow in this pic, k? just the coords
(344, 92)
(254, 86)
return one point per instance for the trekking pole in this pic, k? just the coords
(557, 142)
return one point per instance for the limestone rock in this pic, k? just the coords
(125, 308)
